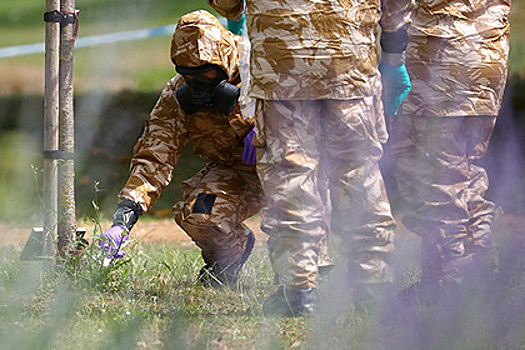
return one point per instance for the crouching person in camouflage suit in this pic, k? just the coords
(198, 105)
(316, 81)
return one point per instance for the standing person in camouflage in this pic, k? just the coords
(457, 61)
(198, 105)
(316, 81)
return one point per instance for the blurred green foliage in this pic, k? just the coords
(17, 153)
(21, 21)
(107, 126)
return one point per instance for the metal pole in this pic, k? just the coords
(66, 176)
(49, 185)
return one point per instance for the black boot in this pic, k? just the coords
(217, 275)
(291, 302)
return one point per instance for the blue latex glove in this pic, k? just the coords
(249, 154)
(111, 241)
(236, 26)
(396, 86)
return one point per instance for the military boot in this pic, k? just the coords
(291, 302)
(217, 274)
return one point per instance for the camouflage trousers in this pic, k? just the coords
(303, 141)
(215, 203)
(435, 172)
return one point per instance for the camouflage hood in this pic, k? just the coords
(201, 40)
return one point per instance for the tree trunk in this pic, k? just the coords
(66, 176)
(51, 98)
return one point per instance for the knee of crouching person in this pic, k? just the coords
(195, 212)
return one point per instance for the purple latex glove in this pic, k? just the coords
(249, 154)
(111, 241)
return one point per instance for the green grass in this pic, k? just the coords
(151, 300)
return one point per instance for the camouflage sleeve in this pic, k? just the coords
(241, 126)
(157, 151)
(231, 9)
(395, 14)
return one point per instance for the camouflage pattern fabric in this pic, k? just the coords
(314, 65)
(218, 229)
(457, 62)
(457, 57)
(217, 138)
(348, 135)
(436, 174)
(201, 34)
(200, 39)
(307, 49)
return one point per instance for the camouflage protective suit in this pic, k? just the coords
(457, 62)
(315, 78)
(217, 200)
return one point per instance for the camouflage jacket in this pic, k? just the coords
(457, 57)
(216, 137)
(311, 49)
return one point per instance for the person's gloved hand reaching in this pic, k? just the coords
(394, 75)
(236, 27)
(396, 86)
(112, 240)
(249, 154)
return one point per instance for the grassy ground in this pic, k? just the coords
(151, 300)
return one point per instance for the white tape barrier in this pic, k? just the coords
(13, 51)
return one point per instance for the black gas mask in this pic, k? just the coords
(201, 92)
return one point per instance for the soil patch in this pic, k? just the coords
(508, 227)
(158, 230)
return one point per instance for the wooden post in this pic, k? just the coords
(66, 174)
(49, 185)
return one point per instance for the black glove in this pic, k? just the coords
(394, 75)
(127, 213)
(394, 42)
